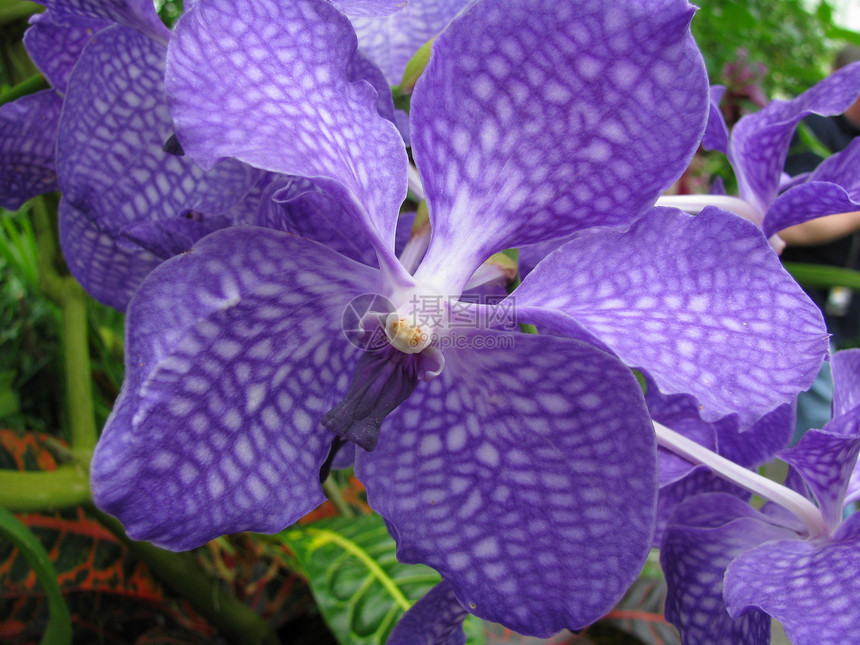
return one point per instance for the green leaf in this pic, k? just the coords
(59, 631)
(822, 275)
(360, 588)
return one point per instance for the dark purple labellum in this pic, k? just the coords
(383, 379)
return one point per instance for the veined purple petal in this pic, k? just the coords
(834, 187)
(717, 132)
(809, 587)
(55, 43)
(537, 119)
(705, 535)
(370, 7)
(846, 381)
(436, 619)
(532, 495)
(760, 141)
(111, 164)
(234, 351)
(241, 84)
(107, 271)
(28, 147)
(296, 205)
(762, 442)
(805, 202)
(362, 68)
(698, 481)
(392, 41)
(137, 14)
(700, 303)
(826, 458)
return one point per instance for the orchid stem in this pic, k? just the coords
(72, 301)
(805, 510)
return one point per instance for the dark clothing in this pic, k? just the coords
(843, 319)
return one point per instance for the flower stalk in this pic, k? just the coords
(798, 505)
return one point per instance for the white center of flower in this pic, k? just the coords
(403, 335)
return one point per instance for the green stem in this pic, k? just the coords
(30, 491)
(72, 301)
(33, 84)
(332, 491)
(181, 573)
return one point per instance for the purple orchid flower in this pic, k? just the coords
(730, 568)
(522, 467)
(757, 149)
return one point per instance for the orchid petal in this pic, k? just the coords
(760, 141)
(706, 533)
(436, 619)
(805, 202)
(298, 206)
(107, 271)
(717, 132)
(698, 481)
(285, 105)
(28, 141)
(833, 188)
(846, 381)
(365, 8)
(179, 468)
(111, 165)
(536, 119)
(137, 14)
(391, 42)
(532, 496)
(825, 459)
(700, 303)
(55, 43)
(810, 587)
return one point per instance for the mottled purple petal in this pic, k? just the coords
(242, 85)
(55, 43)
(805, 202)
(138, 14)
(759, 444)
(810, 587)
(760, 141)
(698, 481)
(110, 162)
(825, 459)
(28, 147)
(298, 206)
(525, 475)
(392, 41)
(537, 119)
(107, 271)
(706, 534)
(367, 8)
(436, 619)
(361, 68)
(234, 351)
(846, 381)
(717, 132)
(700, 303)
